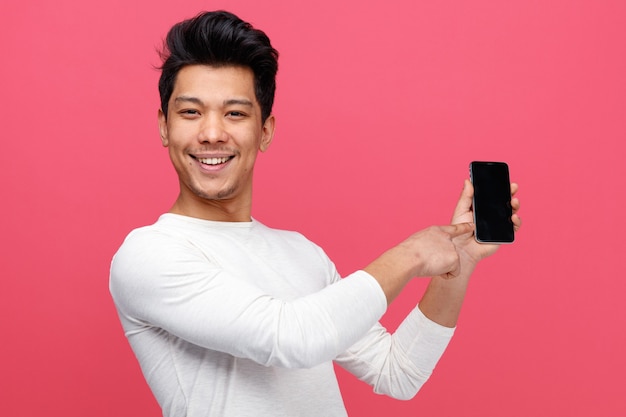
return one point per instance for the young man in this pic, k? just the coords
(228, 317)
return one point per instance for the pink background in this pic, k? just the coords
(381, 105)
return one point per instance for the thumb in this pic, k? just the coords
(459, 229)
(464, 204)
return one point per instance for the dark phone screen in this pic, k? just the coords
(492, 202)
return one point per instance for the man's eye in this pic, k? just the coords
(235, 113)
(189, 112)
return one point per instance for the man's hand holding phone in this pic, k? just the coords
(468, 246)
(443, 298)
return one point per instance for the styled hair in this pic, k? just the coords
(219, 39)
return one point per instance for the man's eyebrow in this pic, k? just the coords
(238, 101)
(229, 102)
(189, 99)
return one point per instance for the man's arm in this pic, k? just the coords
(398, 365)
(447, 253)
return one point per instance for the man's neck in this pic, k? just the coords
(215, 210)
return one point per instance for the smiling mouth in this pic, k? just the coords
(214, 161)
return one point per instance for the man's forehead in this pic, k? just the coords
(230, 73)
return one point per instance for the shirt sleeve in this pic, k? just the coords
(166, 283)
(398, 364)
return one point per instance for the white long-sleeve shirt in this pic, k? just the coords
(237, 319)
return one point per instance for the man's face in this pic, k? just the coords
(213, 133)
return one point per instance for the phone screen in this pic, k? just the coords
(492, 202)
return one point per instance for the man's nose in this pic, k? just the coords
(213, 129)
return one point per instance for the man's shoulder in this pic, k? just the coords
(283, 234)
(173, 234)
(149, 232)
(153, 240)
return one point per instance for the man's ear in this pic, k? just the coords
(268, 133)
(163, 128)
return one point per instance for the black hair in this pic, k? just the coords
(219, 39)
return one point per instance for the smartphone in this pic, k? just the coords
(492, 202)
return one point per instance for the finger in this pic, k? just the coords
(514, 188)
(517, 222)
(515, 205)
(459, 229)
(455, 272)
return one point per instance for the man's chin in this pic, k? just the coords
(216, 195)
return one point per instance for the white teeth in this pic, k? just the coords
(213, 161)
